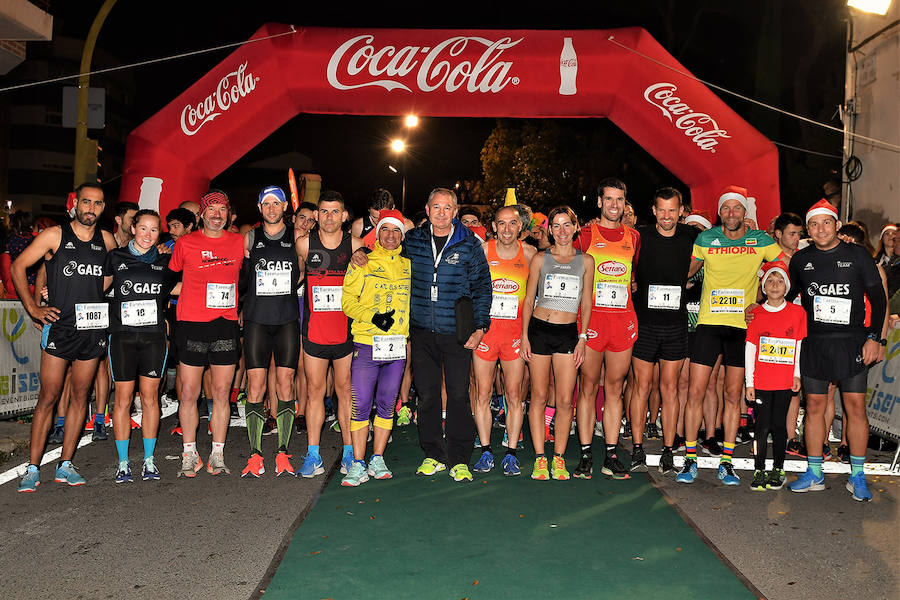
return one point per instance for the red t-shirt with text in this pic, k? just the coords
(210, 268)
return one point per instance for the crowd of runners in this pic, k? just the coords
(706, 336)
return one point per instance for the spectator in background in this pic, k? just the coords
(179, 222)
(886, 244)
(22, 232)
(470, 217)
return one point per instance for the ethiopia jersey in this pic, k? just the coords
(508, 280)
(614, 251)
(324, 322)
(730, 268)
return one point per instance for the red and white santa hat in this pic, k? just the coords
(822, 207)
(390, 216)
(734, 192)
(700, 217)
(70, 204)
(776, 266)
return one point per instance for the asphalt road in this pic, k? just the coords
(219, 537)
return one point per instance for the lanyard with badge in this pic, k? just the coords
(437, 260)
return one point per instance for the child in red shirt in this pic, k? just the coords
(772, 375)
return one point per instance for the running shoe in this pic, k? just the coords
(807, 482)
(312, 466)
(66, 473)
(485, 463)
(678, 445)
(300, 424)
(123, 473)
(775, 479)
(559, 471)
(270, 426)
(598, 429)
(759, 481)
(727, 475)
(216, 464)
(356, 475)
(191, 463)
(540, 470)
(626, 431)
(31, 480)
(283, 465)
(520, 444)
(857, 486)
(510, 466)
(461, 472)
(254, 466)
(843, 453)
(149, 472)
(666, 462)
(346, 460)
(404, 415)
(430, 466)
(336, 426)
(378, 468)
(585, 468)
(711, 447)
(176, 430)
(548, 434)
(99, 433)
(793, 447)
(612, 467)
(59, 432)
(638, 461)
(719, 434)
(652, 431)
(826, 451)
(688, 472)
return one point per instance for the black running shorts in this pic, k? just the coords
(547, 338)
(214, 343)
(711, 341)
(327, 352)
(136, 354)
(262, 341)
(658, 341)
(834, 358)
(71, 344)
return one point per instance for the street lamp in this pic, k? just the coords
(411, 121)
(399, 146)
(878, 7)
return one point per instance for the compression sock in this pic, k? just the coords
(586, 449)
(98, 419)
(856, 464)
(611, 450)
(256, 419)
(815, 465)
(285, 418)
(310, 449)
(348, 449)
(122, 449)
(149, 447)
(727, 451)
(690, 450)
(548, 415)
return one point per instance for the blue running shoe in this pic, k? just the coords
(123, 473)
(346, 461)
(99, 432)
(31, 481)
(312, 466)
(727, 474)
(485, 463)
(510, 466)
(856, 485)
(66, 473)
(59, 432)
(688, 472)
(807, 482)
(149, 472)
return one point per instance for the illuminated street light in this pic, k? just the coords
(398, 145)
(411, 121)
(879, 7)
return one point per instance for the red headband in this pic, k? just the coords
(213, 198)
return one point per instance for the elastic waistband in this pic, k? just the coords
(549, 325)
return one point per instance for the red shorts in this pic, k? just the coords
(613, 331)
(503, 341)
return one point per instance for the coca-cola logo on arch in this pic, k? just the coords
(231, 88)
(700, 127)
(472, 63)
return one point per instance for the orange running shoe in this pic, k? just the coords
(283, 465)
(135, 424)
(191, 463)
(254, 466)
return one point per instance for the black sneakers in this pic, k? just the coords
(613, 468)
(585, 467)
(666, 462)
(638, 461)
(711, 447)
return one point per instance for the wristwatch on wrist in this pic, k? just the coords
(874, 337)
(583, 336)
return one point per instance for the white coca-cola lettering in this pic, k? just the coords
(358, 56)
(505, 286)
(231, 88)
(612, 267)
(700, 127)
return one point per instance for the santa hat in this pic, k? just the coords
(776, 266)
(274, 191)
(70, 204)
(733, 192)
(390, 216)
(888, 227)
(480, 232)
(700, 217)
(213, 197)
(822, 207)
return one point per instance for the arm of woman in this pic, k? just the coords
(534, 274)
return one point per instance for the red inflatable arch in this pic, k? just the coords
(472, 73)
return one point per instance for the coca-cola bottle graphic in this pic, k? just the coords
(568, 69)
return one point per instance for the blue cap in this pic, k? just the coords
(272, 190)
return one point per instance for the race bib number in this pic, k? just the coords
(832, 310)
(221, 295)
(664, 297)
(326, 298)
(92, 316)
(779, 351)
(562, 287)
(139, 312)
(726, 301)
(504, 306)
(273, 283)
(388, 347)
(611, 295)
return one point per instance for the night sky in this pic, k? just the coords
(787, 54)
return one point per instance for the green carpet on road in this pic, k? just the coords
(497, 537)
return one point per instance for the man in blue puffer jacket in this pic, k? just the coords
(447, 263)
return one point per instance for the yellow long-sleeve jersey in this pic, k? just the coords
(381, 285)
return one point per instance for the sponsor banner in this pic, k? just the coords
(20, 361)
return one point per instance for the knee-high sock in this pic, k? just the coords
(256, 419)
(285, 418)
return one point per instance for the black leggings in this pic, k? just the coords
(770, 412)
